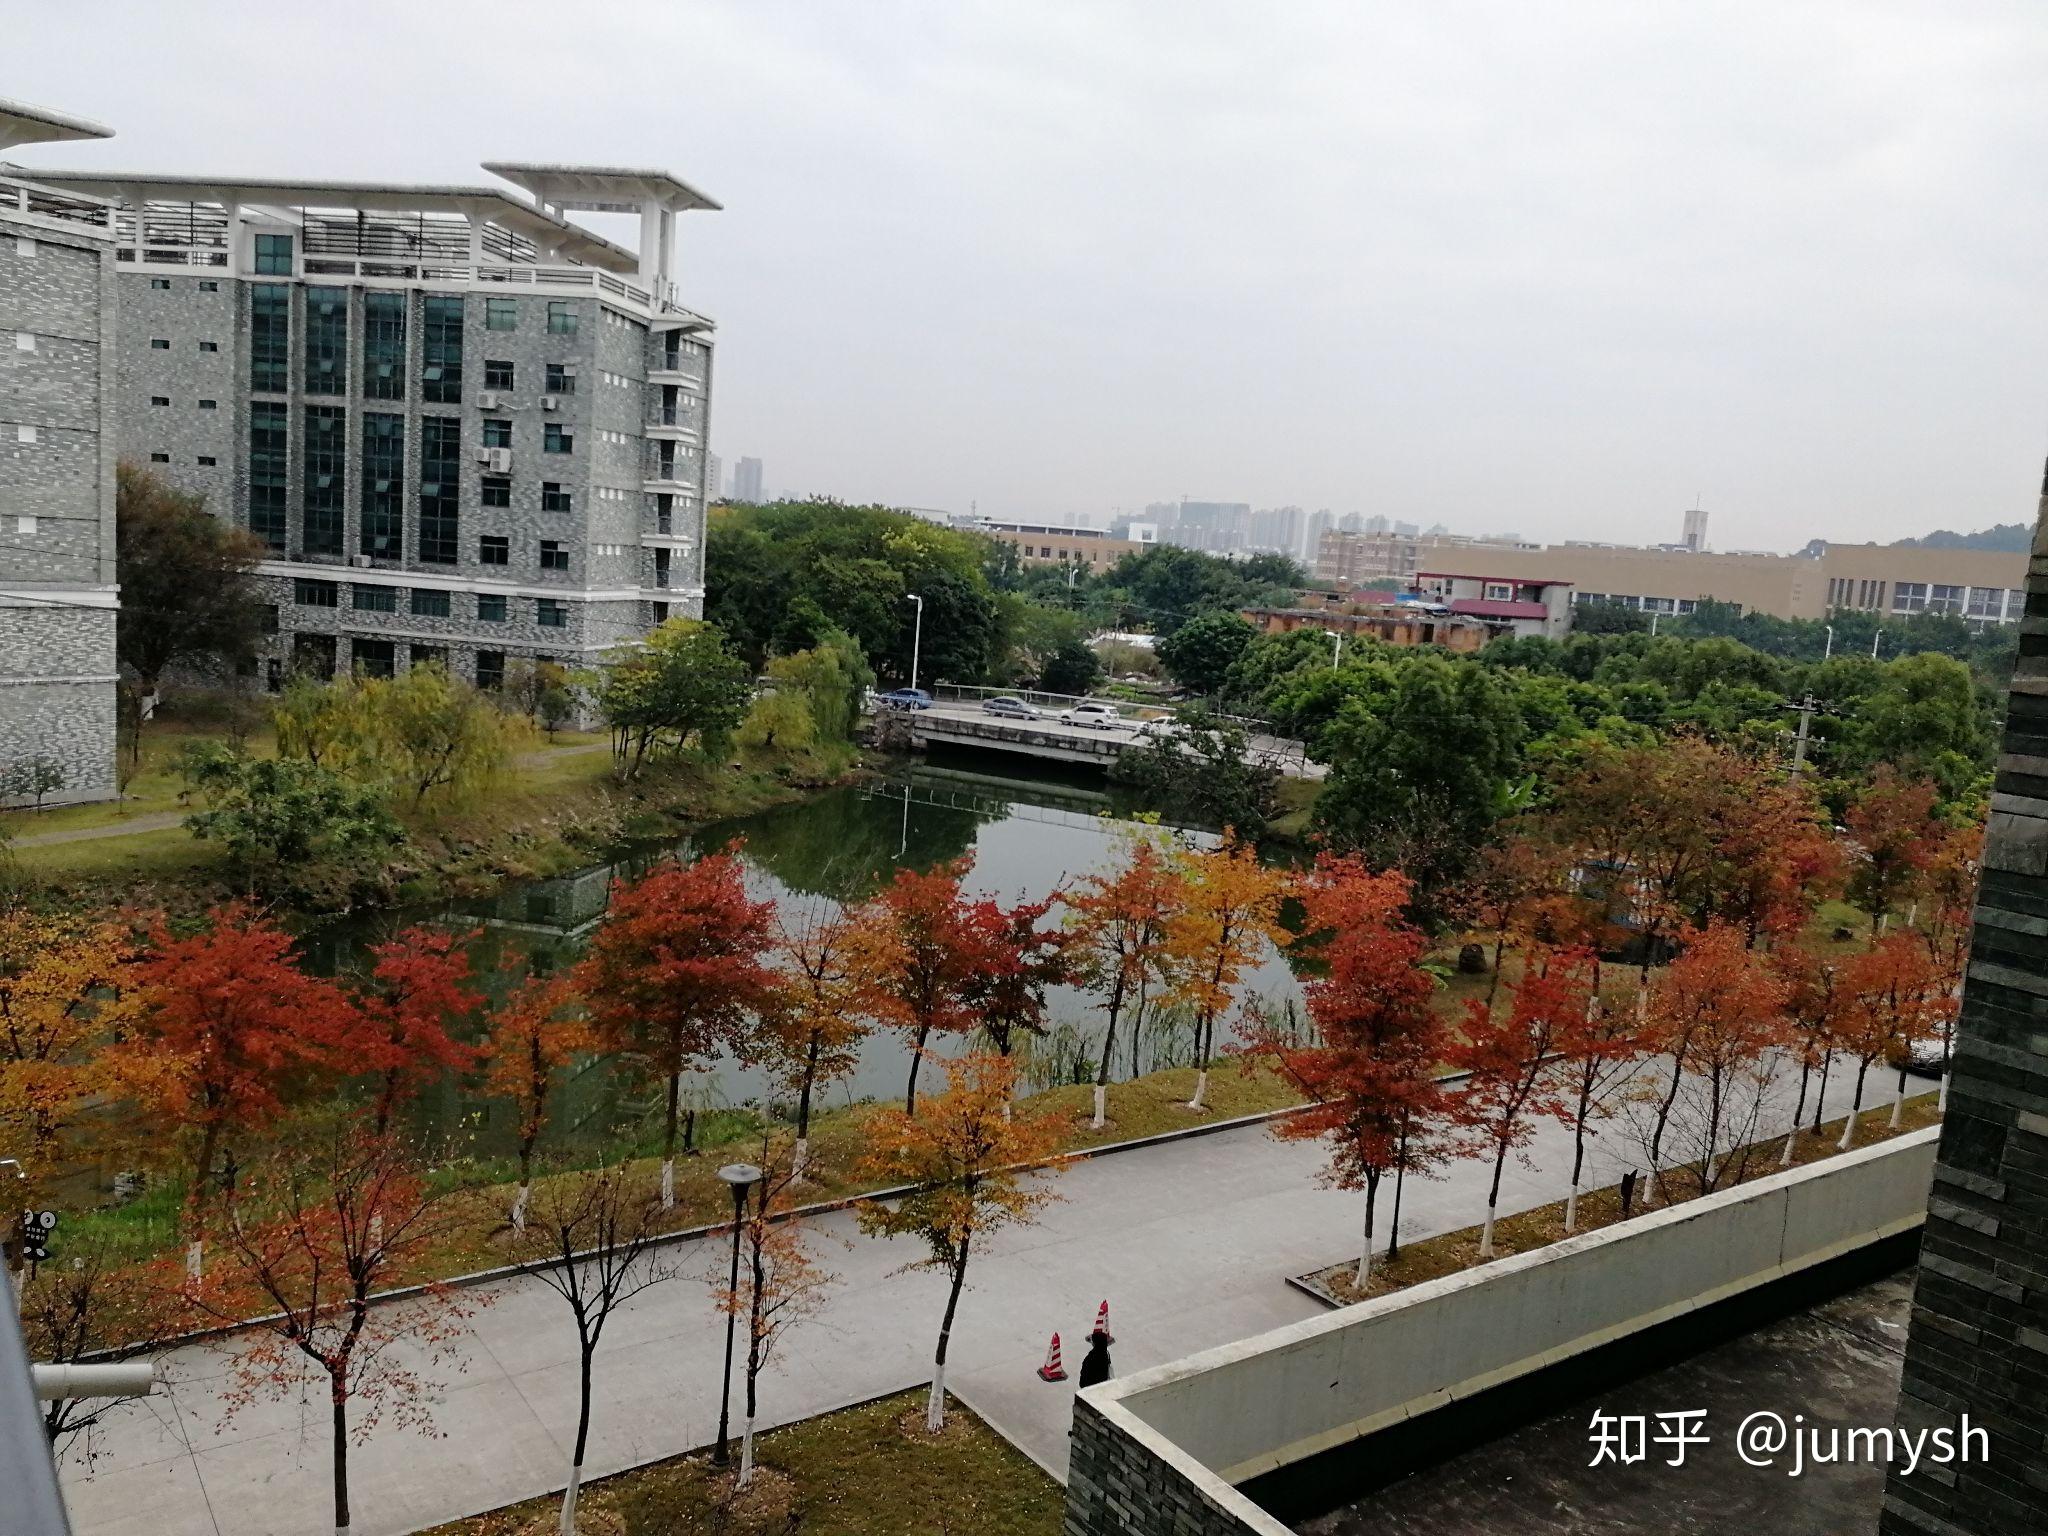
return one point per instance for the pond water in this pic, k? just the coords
(1026, 836)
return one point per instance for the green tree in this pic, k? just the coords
(274, 815)
(1200, 653)
(426, 730)
(680, 683)
(1071, 668)
(319, 722)
(1203, 770)
(186, 594)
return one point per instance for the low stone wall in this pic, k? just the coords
(1160, 1453)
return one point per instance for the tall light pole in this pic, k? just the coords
(1873, 641)
(1338, 636)
(1824, 655)
(741, 1177)
(916, 636)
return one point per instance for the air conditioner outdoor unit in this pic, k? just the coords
(551, 402)
(488, 399)
(360, 562)
(501, 459)
(483, 455)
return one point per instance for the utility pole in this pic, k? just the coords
(1806, 709)
(916, 636)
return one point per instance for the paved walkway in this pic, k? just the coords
(1190, 1242)
(153, 821)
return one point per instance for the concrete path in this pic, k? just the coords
(1190, 1242)
(154, 821)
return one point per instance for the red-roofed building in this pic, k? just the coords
(1528, 605)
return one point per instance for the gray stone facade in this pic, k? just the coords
(1116, 1487)
(57, 580)
(1979, 1337)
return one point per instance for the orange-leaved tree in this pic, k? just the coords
(1506, 1056)
(812, 1035)
(536, 1032)
(1950, 890)
(1227, 918)
(1813, 1004)
(1597, 1054)
(676, 971)
(1893, 996)
(1371, 1076)
(1121, 917)
(229, 1029)
(967, 1160)
(916, 953)
(1895, 832)
(1022, 956)
(1775, 858)
(417, 987)
(66, 987)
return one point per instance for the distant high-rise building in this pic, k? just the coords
(1215, 526)
(1318, 523)
(1695, 537)
(746, 480)
(1165, 515)
(714, 478)
(1276, 530)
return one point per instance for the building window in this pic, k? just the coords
(498, 374)
(160, 343)
(323, 505)
(267, 486)
(1941, 599)
(553, 557)
(383, 521)
(209, 405)
(384, 346)
(374, 658)
(561, 379)
(554, 497)
(208, 459)
(556, 438)
(497, 434)
(501, 314)
(159, 458)
(308, 593)
(1987, 603)
(209, 286)
(1498, 591)
(494, 549)
(431, 603)
(561, 317)
(326, 341)
(497, 491)
(209, 346)
(490, 665)
(660, 612)
(159, 282)
(550, 613)
(374, 599)
(441, 348)
(270, 336)
(440, 487)
(159, 399)
(490, 608)
(274, 255)
(1909, 597)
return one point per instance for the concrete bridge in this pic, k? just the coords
(960, 722)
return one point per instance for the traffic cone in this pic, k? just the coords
(1102, 1322)
(1052, 1370)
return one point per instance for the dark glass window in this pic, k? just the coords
(497, 490)
(326, 341)
(206, 346)
(561, 379)
(550, 613)
(373, 658)
(430, 603)
(207, 458)
(441, 348)
(159, 282)
(209, 405)
(159, 399)
(553, 557)
(490, 666)
(440, 486)
(267, 441)
(498, 374)
(501, 314)
(490, 609)
(209, 286)
(161, 343)
(270, 336)
(159, 458)
(274, 255)
(308, 593)
(383, 530)
(562, 317)
(384, 346)
(554, 497)
(494, 549)
(374, 599)
(497, 434)
(556, 438)
(324, 508)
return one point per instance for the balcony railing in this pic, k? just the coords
(49, 205)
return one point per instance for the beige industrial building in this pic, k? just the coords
(1060, 544)
(1354, 559)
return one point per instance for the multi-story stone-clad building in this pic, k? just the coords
(469, 430)
(57, 586)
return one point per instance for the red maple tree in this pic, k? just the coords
(1597, 1052)
(417, 988)
(919, 954)
(533, 1034)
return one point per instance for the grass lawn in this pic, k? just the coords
(1446, 1254)
(866, 1471)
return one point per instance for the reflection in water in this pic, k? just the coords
(1027, 837)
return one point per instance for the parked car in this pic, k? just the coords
(1009, 708)
(905, 698)
(1096, 716)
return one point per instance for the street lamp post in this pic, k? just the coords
(740, 1177)
(1338, 659)
(1873, 642)
(1824, 655)
(916, 636)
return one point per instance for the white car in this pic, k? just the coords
(1096, 716)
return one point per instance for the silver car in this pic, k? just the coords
(1008, 708)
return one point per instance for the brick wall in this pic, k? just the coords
(1979, 1336)
(1117, 1487)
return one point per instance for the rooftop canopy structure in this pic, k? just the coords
(21, 123)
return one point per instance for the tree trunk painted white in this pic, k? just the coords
(1201, 1087)
(568, 1526)
(1571, 1210)
(668, 1184)
(935, 1405)
(1791, 1146)
(1899, 1103)
(1365, 1250)
(1101, 1106)
(1941, 1098)
(1486, 1236)
(519, 1208)
(800, 1159)
(1848, 1131)
(193, 1259)
(747, 1453)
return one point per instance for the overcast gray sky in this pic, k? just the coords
(1554, 267)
